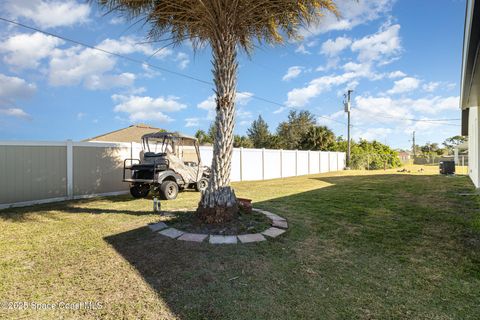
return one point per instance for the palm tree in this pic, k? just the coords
(226, 25)
(318, 138)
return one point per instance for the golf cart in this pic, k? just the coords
(168, 163)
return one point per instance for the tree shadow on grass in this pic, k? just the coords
(357, 225)
(81, 206)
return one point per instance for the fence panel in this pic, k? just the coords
(251, 164)
(36, 172)
(302, 163)
(289, 163)
(31, 172)
(342, 160)
(272, 164)
(314, 162)
(235, 175)
(324, 162)
(206, 154)
(333, 161)
(98, 169)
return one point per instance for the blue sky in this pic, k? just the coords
(402, 59)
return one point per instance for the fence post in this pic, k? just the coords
(263, 163)
(319, 161)
(241, 163)
(329, 166)
(463, 162)
(368, 161)
(281, 163)
(131, 152)
(296, 163)
(308, 162)
(69, 144)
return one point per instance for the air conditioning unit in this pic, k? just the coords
(447, 167)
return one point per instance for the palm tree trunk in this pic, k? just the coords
(218, 202)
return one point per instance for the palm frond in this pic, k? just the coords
(201, 21)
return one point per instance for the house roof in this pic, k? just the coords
(132, 133)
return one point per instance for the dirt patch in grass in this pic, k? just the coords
(245, 223)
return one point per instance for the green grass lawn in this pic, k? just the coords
(361, 245)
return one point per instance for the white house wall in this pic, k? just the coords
(473, 148)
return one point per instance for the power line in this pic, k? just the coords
(145, 62)
(180, 74)
(138, 61)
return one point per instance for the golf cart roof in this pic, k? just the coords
(168, 135)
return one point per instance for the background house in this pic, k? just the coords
(132, 133)
(470, 94)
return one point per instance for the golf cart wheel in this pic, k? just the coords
(139, 191)
(201, 185)
(168, 190)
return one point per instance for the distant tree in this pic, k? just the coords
(431, 149)
(370, 154)
(292, 131)
(212, 130)
(242, 142)
(259, 134)
(452, 142)
(318, 138)
(203, 138)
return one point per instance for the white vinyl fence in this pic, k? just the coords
(41, 172)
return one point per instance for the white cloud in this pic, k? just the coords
(397, 113)
(192, 122)
(379, 46)
(147, 108)
(11, 89)
(302, 49)
(26, 50)
(117, 20)
(370, 134)
(292, 73)
(15, 88)
(182, 59)
(14, 112)
(434, 105)
(243, 98)
(92, 68)
(396, 74)
(332, 63)
(209, 104)
(128, 45)
(407, 84)
(431, 86)
(334, 47)
(353, 13)
(49, 14)
(106, 81)
(299, 97)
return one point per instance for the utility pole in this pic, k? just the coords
(413, 146)
(348, 108)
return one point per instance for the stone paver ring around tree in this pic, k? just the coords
(278, 227)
